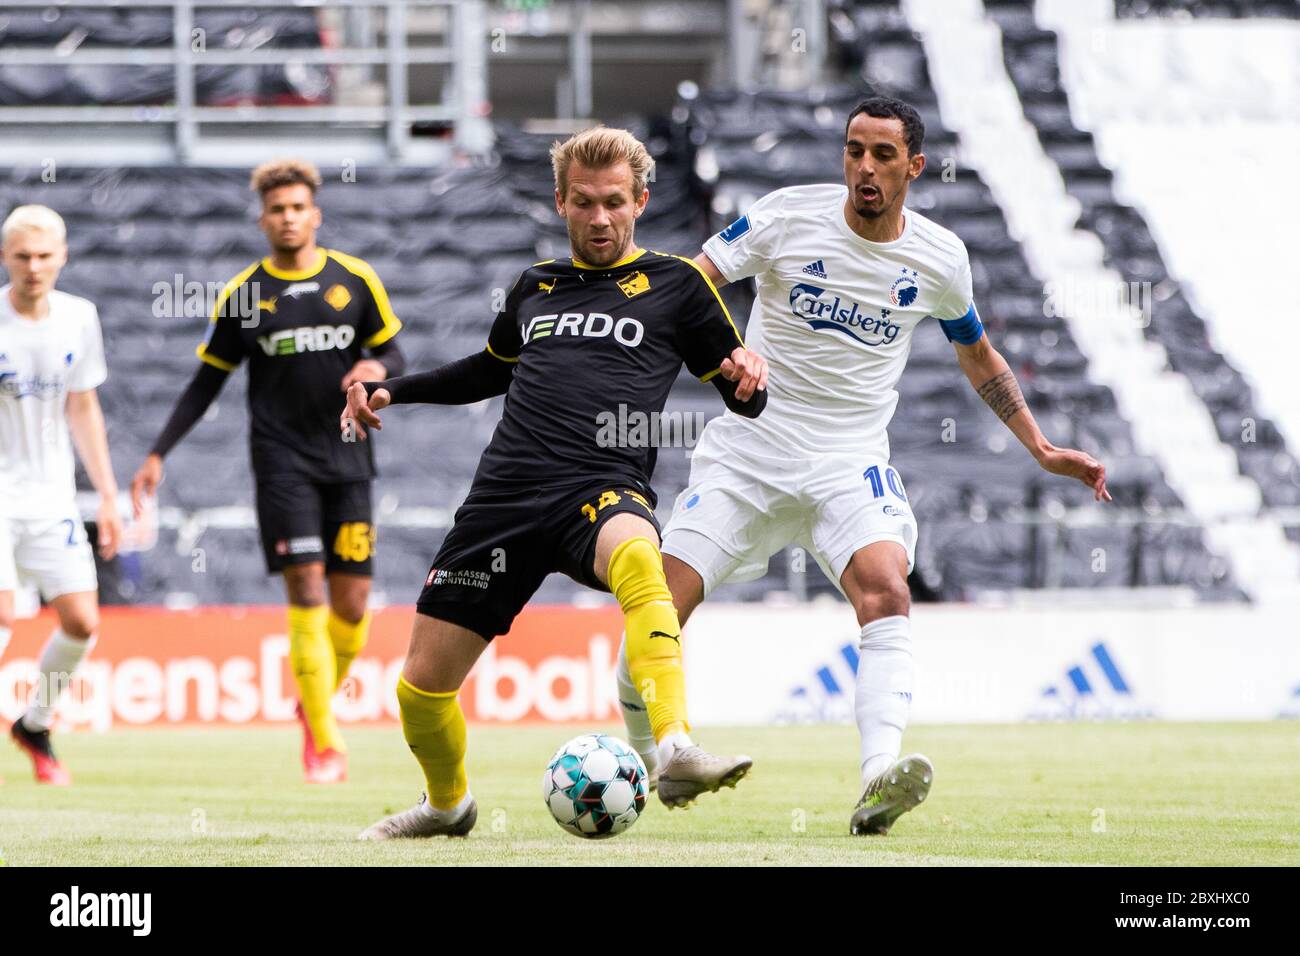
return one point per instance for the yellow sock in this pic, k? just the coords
(654, 647)
(348, 639)
(434, 727)
(312, 659)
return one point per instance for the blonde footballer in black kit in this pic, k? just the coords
(579, 338)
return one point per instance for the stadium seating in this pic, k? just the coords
(1207, 8)
(447, 242)
(85, 27)
(762, 141)
(1032, 55)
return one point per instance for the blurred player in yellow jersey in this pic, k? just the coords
(311, 322)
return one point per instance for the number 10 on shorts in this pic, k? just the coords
(895, 483)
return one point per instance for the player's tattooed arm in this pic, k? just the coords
(1002, 394)
(996, 384)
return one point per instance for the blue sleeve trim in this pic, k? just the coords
(966, 330)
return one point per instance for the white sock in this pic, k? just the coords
(636, 717)
(5, 634)
(670, 743)
(884, 691)
(59, 662)
(431, 811)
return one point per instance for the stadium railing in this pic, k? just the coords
(183, 131)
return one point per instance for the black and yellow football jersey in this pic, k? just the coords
(594, 347)
(301, 332)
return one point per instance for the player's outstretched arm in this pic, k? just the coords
(463, 382)
(991, 376)
(86, 424)
(194, 401)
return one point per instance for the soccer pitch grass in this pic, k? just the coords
(1209, 794)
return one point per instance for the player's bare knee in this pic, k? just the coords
(686, 585)
(305, 585)
(349, 602)
(440, 654)
(78, 614)
(350, 611)
(80, 624)
(883, 599)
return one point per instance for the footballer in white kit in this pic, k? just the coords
(51, 362)
(844, 274)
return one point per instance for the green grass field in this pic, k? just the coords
(1032, 794)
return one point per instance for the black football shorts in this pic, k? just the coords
(507, 538)
(303, 521)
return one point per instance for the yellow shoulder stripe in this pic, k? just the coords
(722, 305)
(226, 292)
(501, 357)
(202, 353)
(229, 289)
(362, 269)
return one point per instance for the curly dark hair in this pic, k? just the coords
(284, 172)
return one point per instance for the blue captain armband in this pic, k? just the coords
(966, 330)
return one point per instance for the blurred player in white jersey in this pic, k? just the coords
(51, 361)
(845, 274)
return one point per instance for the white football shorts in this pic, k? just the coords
(51, 554)
(748, 499)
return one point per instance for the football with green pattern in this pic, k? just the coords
(595, 786)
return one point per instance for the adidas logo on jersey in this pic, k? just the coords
(817, 269)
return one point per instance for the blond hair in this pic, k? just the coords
(599, 148)
(284, 172)
(34, 218)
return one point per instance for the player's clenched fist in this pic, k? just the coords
(361, 409)
(748, 370)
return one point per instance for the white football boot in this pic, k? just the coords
(424, 821)
(693, 770)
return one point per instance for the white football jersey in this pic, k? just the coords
(40, 363)
(835, 314)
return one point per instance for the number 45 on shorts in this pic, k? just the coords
(355, 541)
